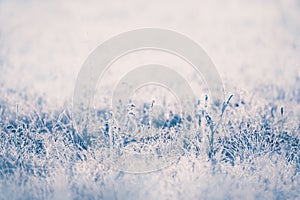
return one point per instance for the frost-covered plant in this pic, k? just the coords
(255, 150)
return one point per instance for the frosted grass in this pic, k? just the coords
(255, 154)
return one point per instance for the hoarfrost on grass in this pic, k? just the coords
(256, 153)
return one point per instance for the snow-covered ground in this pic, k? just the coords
(255, 48)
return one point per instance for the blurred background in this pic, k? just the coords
(255, 45)
(44, 44)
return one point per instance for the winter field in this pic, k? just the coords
(246, 147)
